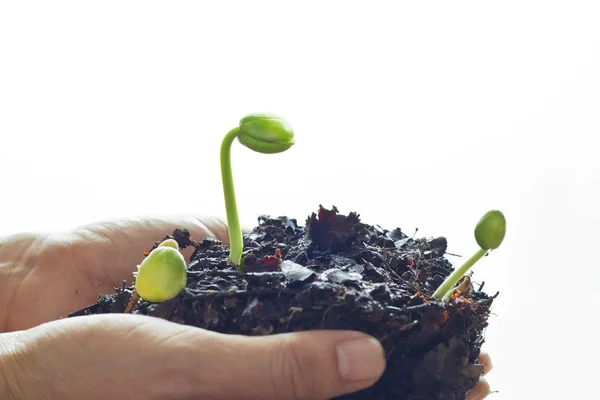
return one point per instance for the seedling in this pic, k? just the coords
(161, 276)
(489, 234)
(263, 133)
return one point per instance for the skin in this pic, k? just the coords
(43, 277)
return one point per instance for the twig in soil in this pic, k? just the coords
(489, 300)
(207, 310)
(327, 311)
(465, 286)
(135, 298)
(220, 273)
(408, 326)
(392, 272)
(294, 311)
(422, 307)
(210, 294)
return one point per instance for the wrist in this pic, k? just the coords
(11, 374)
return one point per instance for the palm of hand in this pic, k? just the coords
(45, 277)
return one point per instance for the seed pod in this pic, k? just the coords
(490, 230)
(170, 243)
(266, 133)
(162, 275)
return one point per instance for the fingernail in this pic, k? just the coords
(360, 359)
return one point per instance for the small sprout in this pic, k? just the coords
(169, 243)
(263, 133)
(489, 234)
(490, 230)
(161, 276)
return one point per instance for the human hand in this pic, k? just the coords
(45, 277)
(124, 356)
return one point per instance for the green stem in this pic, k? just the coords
(458, 273)
(236, 242)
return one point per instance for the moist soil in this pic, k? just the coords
(336, 272)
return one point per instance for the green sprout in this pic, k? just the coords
(489, 234)
(161, 276)
(263, 133)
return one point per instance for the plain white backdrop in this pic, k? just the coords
(419, 115)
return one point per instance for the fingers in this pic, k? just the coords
(141, 231)
(308, 365)
(485, 360)
(480, 391)
(144, 232)
(112, 249)
(146, 358)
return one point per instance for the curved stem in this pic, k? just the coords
(458, 273)
(236, 242)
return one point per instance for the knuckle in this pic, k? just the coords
(292, 371)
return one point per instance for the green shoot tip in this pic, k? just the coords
(490, 230)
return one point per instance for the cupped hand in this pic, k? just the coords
(45, 277)
(117, 356)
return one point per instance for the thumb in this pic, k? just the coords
(303, 365)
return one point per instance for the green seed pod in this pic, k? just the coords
(490, 230)
(266, 133)
(170, 243)
(162, 275)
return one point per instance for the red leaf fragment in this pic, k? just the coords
(266, 263)
(330, 230)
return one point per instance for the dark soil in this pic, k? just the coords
(336, 273)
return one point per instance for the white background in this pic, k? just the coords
(420, 114)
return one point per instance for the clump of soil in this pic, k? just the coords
(336, 273)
